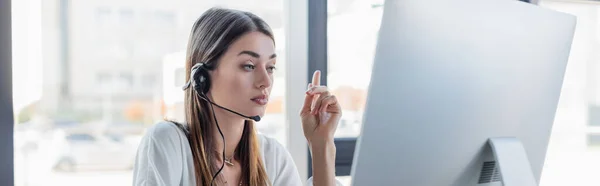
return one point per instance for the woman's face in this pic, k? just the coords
(243, 78)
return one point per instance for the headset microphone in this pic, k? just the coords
(255, 118)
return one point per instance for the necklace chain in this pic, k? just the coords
(230, 163)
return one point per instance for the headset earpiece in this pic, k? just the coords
(199, 79)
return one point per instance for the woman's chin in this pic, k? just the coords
(257, 112)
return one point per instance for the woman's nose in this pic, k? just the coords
(263, 79)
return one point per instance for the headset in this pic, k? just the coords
(200, 82)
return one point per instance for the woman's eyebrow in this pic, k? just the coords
(254, 54)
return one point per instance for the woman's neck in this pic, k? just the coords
(232, 127)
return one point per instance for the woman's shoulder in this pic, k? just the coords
(163, 157)
(275, 155)
(164, 137)
(165, 130)
(270, 145)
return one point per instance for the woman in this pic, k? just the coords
(229, 64)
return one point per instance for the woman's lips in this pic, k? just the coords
(261, 100)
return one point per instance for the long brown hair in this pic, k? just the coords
(211, 36)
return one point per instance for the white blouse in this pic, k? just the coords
(164, 157)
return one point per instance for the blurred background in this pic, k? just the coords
(90, 76)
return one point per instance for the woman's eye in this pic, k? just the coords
(248, 67)
(271, 69)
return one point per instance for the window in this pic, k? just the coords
(115, 51)
(594, 140)
(149, 80)
(126, 16)
(103, 78)
(103, 15)
(179, 77)
(126, 79)
(351, 50)
(164, 17)
(575, 140)
(594, 115)
(352, 28)
(80, 138)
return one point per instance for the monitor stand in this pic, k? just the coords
(512, 161)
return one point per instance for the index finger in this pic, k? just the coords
(316, 79)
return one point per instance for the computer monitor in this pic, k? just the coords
(448, 76)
